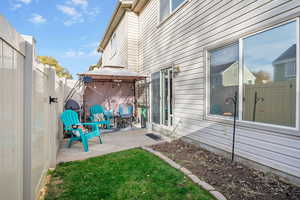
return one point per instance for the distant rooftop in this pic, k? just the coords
(288, 54)
(220, 68)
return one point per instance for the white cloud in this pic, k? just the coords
(74, 16)
(68, 10)
(25, 1)
(91, 45)
(74, 20)
(94, 53)
(92, 14)
(37, 19)
(77, 11)
(16, 6)
(82, 3)
(79, 53)
(72, 53)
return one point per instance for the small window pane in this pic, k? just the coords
(224, 79)
(270, 65)
(155, 100)
(164, 9)
(176, 3)
(290, 69)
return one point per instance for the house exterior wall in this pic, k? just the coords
(279, 72)
(230, 76)
(182, 40)
(120, 58)
(126, 44)
(133, 34)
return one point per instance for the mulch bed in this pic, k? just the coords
(234, 180)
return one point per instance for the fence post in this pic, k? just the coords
(28, 113)
(53, 130)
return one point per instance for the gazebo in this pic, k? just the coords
(111, 86)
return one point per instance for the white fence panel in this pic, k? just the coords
(31, 130)
(11, 113)
(40, 132)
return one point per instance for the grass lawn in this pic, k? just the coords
(129, 175)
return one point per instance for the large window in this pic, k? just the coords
(224, 74)
(168, 6)
(267, 77)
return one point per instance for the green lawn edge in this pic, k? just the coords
(126, 175)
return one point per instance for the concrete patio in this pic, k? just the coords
(112, 142)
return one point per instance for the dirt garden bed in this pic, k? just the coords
(234, 180)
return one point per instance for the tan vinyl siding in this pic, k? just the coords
(120, 58)
(133, 33)
(182, 40)
(126, 43)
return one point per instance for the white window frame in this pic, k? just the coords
(161, 98)
(171, 12)
(240, 121)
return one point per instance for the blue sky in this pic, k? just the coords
(68, 30)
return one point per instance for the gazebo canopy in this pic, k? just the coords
(113, 73)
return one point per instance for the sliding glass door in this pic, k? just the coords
(162, 97)
(155, 97)
(166, 82)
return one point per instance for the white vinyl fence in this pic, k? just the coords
(30, 128)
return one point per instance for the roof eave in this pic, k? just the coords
(138, 5)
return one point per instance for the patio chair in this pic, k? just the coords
(125, 112)
(72, 123)
(97, 109)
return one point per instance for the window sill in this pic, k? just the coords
(173, 13)
(292, 131)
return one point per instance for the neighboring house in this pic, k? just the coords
(173, 40)
(285, 65)
(228, 75)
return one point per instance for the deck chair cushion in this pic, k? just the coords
(126, 110)
(98, 117)
(77, 133)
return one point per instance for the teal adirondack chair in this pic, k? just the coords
(69, 119)
(97, 109)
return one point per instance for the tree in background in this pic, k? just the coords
(60, 71)
(262, 77)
